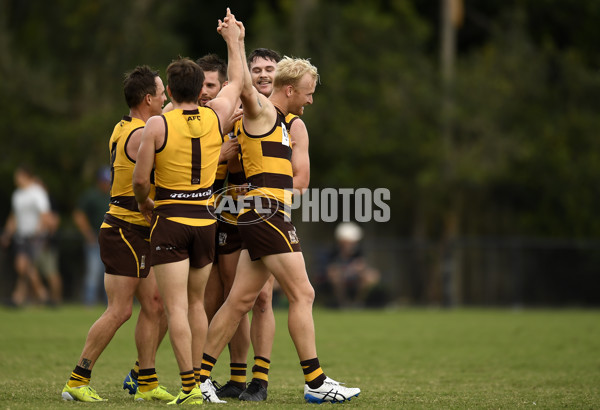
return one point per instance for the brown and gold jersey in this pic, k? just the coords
(267, 160)
(222, 168)
(227, 185)
(186, 165)
(122, 200)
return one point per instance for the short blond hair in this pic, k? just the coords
(291, 70)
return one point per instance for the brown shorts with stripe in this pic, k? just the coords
(125, 249)
(263, 237)
(228, 238)
(173, 242)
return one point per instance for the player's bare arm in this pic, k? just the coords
(226, 101)
(259, 112)
(152, 138)
(168, 107)
(254, 103)
(300, 156)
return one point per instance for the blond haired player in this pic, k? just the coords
(272, 246)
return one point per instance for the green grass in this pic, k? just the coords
(413, 358)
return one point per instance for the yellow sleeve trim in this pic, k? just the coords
(193, 221)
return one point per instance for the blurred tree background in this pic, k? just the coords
(505, 146)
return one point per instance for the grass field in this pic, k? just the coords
(408, 358)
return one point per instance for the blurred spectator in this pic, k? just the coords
(47, 261)
(88, 217)
(27, 225)
(350, 278)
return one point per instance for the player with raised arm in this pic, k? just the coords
(271, 240)
(215, 76)
(262, 63)
(182, 146)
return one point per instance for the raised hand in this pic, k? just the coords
(242, 30)
(228, 28)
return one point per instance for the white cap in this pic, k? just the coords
(348, 231)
